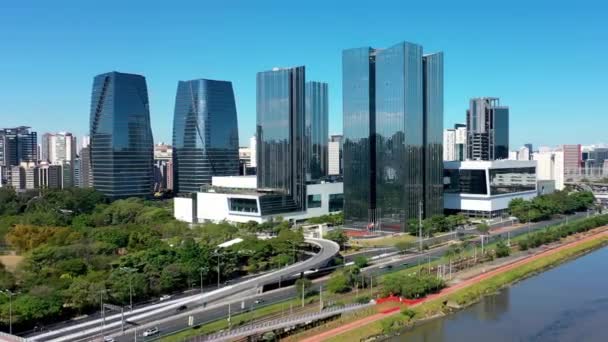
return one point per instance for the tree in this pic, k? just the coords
(338, 236)
(502, 250)
(361, 261)
(403, 246)
(338, 283)
(483, 228)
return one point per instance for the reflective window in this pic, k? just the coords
(336, 202)
(465, 181)
(314, 201)
(121, 146)
(506, 181)
(245, 205)
(316, 131)
(205, 133)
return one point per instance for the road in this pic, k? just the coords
(276, 296)
(154, 312)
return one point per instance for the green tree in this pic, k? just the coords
(502, 250)
(338, 283)
(361, 261)
(483, 228)
(338, 236)
(303, 284)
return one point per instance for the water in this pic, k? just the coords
(567, 303)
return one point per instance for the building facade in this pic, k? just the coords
(280, 134)
(205, 134)
(334, 155)
(18, 145)
(487, 129)
(58, 147)
(121, 146)
(393, 114)
(550, 166)
(316, 129)
(573, 158)
(86, 176)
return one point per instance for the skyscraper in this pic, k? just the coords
(393, 117)
(281, 162)
(86, 176)
(487, 129)
(205, 134)
(316, 130)
(572, 159)
(121, 138)
(58, 147)
(17, 145)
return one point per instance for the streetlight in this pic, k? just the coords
(130, 271)
(10, 295)
(218, 268)
(201, 269)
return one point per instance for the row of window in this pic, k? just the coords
(336, 202)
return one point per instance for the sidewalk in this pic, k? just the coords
(447, 291)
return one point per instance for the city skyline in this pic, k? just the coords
(529, 85)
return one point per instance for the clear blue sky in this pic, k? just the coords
(547, 60)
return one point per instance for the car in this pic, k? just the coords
(108, 339)
(388, 267)
(258, 301)
(165, 297)
(181, 308)
(151, 332)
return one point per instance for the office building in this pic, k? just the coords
(205, 134)
(239, 200)
(455, 143)
(281, 162)
(524, 153)
(121, 147)
(58, 147)
(487, 129)
(572, 161)
(50, 176)
(18, 145)
(25, 176)
(393, 114)
(253, 152)
(334, 155)
(513, 155)
(529, 146)
(86, 176)
(485, 188)
(316, 129)
(550, 166)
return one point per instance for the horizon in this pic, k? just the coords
(526, 66)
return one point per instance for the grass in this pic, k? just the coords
(473, 293)
(384, 241)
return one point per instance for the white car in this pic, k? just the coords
(151, 332)
(108, 339)
(165, 297)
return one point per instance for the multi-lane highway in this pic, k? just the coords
(159, 311)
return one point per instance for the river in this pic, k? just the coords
(566, 303)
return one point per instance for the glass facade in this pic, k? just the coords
(336, 202)
(501, 133)
(393, 142)
(359, 115)
(314, 201)
(244, 205)
(487, 129)
(17, 145)
(121, 138)
(316, 129)
(471, 182)
(205, 134)
(399, 135)
(280, 134)
(506, 181)
(433, 134)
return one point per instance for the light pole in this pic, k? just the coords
(130, 271)
(218, 269)
(420, 224)
(201, 269)
(9, 294)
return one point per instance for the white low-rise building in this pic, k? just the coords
(485, 188)
(236, 199)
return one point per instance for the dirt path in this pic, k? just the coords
(447, 291)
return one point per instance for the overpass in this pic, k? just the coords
(88, 330)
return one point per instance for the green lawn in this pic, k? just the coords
(384, 241)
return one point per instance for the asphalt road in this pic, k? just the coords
(87, 331)
(385, 266)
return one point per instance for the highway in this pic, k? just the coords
(154, 312)
(179, 322)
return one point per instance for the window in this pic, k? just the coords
(464, 181)
(244, 205)
(506, 181)
(336, 202)
(314, 201)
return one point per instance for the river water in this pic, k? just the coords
(566, 303)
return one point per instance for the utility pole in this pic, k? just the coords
(130, 271)
(371, 286)
(201, 273)
(302, 292)
(229, 316)
(420, 224)
(218, 270)
(321, 298)
(103, 316)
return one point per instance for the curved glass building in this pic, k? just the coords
(121, 138)
(316, 105)
(205, 134)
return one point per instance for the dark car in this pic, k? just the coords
(181, 308)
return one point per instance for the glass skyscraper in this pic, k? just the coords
(487, 129)
(393, 113)
(316, 130)
(205, 134)
(281, 162)
(121, 146)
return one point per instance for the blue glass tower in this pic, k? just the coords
(393, 113)
(280, 134)
(205, 134)
(121, 138)
(316, 130)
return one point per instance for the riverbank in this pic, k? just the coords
(465, 293)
